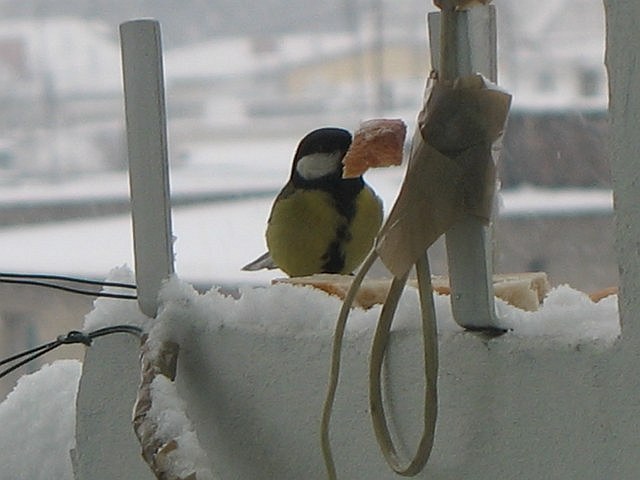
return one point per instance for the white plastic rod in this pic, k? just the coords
(469, 242)
(148, 165)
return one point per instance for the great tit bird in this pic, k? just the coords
(320, 222)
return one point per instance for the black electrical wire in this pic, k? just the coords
(45, 280)
(64, 288)
(73, 337)
(66, 278)
(34, 352)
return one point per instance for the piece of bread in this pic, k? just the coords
(604, 293)
(371, 293)
(376, 143)
(523, 290)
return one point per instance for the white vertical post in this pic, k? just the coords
(624, 115)
(106, 446)
(469, 242)
(148, 165)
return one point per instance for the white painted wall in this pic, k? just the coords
(624, 85)
(106, 446)
(509, 408)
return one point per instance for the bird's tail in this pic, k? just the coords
(263, 261)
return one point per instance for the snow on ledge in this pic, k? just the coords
(567, 316)
(530, 201)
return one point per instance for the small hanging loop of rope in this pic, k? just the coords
(378, 350)
(336, 355)
(430, 349)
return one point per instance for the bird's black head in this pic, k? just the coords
(319, 156)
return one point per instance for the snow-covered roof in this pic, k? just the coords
(74, 55)
(552, 57)
(563, 30)
(244, 56)
(236, 56)
(567, 18)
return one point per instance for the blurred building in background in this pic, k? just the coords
(62, 105)
(60, 97)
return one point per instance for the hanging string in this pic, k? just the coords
(336, 356)
(73, 337)
(378, 350)
(430, 359)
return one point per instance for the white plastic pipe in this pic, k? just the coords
(148, 165)
(469, 243)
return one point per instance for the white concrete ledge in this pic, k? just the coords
(254, 383)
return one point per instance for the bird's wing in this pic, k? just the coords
(263, 261)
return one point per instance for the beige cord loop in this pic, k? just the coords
(336, 354)
(378, 350)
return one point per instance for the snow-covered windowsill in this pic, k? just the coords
(253, 371)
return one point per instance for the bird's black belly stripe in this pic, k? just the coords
(334, 256)
(345, 202)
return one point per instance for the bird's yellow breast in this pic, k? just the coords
(364, 228)
(305, 224)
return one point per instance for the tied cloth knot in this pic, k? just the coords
(451, 169)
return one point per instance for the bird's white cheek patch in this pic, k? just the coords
(318, 165)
